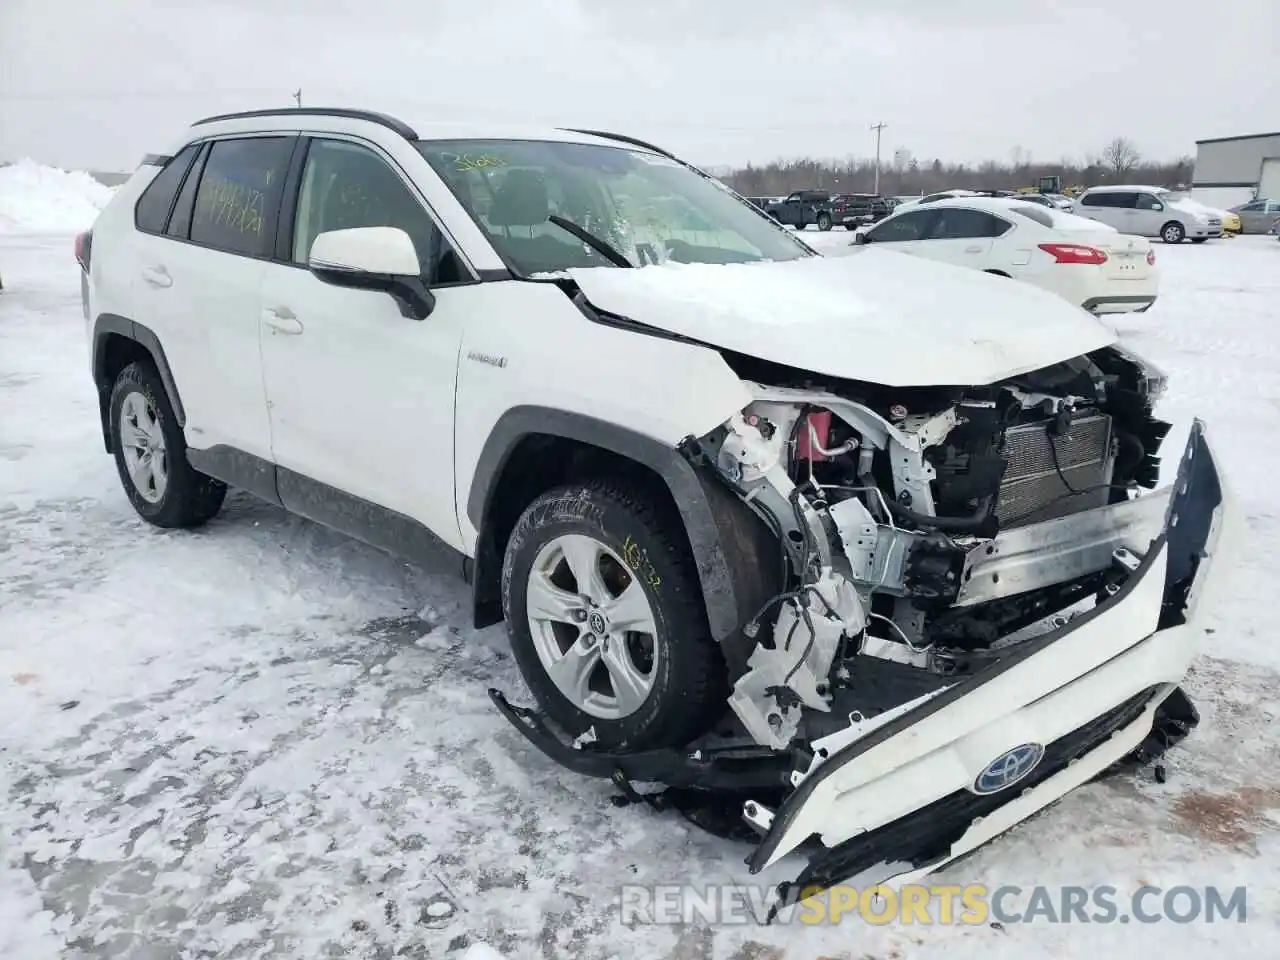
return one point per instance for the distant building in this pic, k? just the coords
(1232, 170)
(901, 158)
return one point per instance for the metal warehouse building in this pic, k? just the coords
(1232, 170)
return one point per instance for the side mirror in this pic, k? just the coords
(1157, 206)
(374, 258)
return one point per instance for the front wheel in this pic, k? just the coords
(604, 611)
(824, 221)
(1172, 232)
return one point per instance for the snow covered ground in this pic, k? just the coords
(264, 740)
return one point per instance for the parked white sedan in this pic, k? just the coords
(1088, 263)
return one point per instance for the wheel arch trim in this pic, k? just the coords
(107, 324)
(727, 587)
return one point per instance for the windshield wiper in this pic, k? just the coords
(601, 247)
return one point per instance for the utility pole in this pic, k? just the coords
(297, 97)
(877, 127)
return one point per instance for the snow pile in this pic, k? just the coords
(39, 198)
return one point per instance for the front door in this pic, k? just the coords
(361, 398)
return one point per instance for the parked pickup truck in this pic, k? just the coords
(861, 208)
(805, 207)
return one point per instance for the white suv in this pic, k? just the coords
(1149, 212)
(753, 517)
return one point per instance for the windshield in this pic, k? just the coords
(648, 208)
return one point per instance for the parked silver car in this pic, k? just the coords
(1258, 216)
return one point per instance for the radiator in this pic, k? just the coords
(1033, 490)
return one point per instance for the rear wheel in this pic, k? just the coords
(1172, 232)
(151, 454)
(605, 616)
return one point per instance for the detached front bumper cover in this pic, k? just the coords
(905, 799)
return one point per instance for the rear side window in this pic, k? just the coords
(152, 211)
(903, 228)
(960, 224)
(1042, 217)
(238, 199)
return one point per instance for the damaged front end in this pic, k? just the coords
(986, 603)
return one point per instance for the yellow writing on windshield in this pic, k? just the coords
(468, 162)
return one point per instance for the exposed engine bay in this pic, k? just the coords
(930, 527)
(965, 574)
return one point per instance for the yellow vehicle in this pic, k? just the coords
(1230, 223)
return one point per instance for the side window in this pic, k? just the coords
(236, 202)
(1146, 201)
(180, 220)
(345, 185)
(1125, 201)
(959, 224)
(902, 229)
(1256, 207)
(793, 198)
(152, 211)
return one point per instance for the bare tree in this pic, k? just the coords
(1120, 156)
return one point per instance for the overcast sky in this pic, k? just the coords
(100, 82)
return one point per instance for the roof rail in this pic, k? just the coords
(391, 123)
(623, 139)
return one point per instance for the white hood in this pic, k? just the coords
(874, 315)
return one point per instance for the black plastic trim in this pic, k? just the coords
(108, 323)
(155, 159)
(722, 590)
(282, 250)
(397, 534)
(238, 469)
(196, 171)
(386, 530)
(1098, 301)
(370, 116)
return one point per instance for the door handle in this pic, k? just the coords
(282, 320)
(977, 249)
(157, 276)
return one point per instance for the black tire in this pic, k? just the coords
(824, 221)
(189, 498)
(1173, 232)
(690, 685)
(1199, 239)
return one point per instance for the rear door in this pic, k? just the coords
(1100, 206)
(965, 237)
(200, 283)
